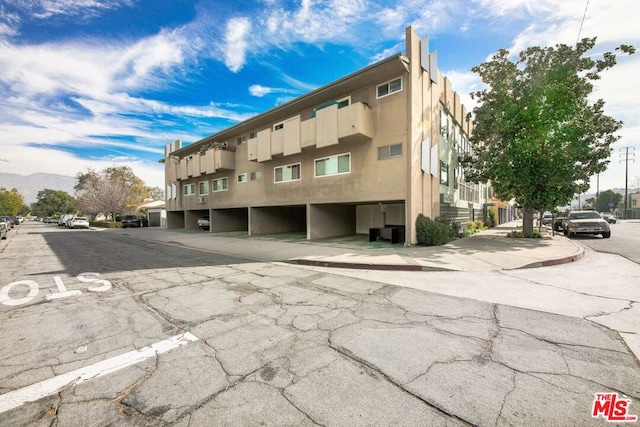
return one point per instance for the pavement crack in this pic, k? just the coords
(129, 410)
(380, 374)
(500, 420)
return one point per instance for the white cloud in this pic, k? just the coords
(259, 91)
(236, 43)
(44, 9)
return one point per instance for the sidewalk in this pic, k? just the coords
(487, 250)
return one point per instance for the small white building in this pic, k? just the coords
(155, 212)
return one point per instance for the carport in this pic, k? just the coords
(191, 218)
(345, 219)
(331, 220)
(175, 219)
(277, 219)
(229, 220)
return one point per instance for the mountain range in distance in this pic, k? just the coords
(29, 185)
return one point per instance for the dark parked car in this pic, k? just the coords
(131, 221)
(609, 218)
(559, 221)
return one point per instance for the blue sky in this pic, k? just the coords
(95, 83)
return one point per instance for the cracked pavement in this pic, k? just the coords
(286, 345)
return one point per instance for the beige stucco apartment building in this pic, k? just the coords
(370, 150)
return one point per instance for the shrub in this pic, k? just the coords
(520, 234)
(104, 224)
(473, 227)
(432, 233)
(492, 219)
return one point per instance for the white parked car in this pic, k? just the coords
(62, 221)
(78, 222)
(4, 230)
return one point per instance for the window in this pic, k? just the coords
(278, 126)
(253, 135)
(189, 189)
(220, 184)
(444, 124)
(203, 188)
(344, 102)
(444, 173)
(389, 151)
(389, 87)
(242, 177)
(256, 176)
(334, 165)
(241, 140)
(286, 173)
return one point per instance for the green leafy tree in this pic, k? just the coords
(113, 190)
(606, 197)
(590, 203)
(53, 203)
(537, 137)
(10, 201)
(155, 193)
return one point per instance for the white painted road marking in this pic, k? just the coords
(51, 386)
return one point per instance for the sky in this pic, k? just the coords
(98, 83)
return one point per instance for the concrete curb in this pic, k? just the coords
(366, 266)
(553, 261)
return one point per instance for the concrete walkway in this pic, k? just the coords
(488, 250)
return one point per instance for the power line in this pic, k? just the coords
(582, 23)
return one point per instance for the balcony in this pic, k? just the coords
(207, 162)
(330, 126)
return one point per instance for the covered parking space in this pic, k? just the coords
(191, 218)
(232, 219)
(348, 219)
(175, 219)
(277, 219)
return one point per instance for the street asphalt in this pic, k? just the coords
(285, 340)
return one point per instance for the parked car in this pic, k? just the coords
(131, 221)
(608, 217)
(78, 222)
(4, 230)
(204, 222)
(585, 222)
(558, 221)
(547, 217)
(62, 221)
(8, 221)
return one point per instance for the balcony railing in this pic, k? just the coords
(330, 126)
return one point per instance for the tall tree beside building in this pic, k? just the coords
(11, 201)
(113, 190)
(155, 193)
(53, 203)
(607, 198)
(537, 136)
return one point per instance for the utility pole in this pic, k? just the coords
(626, 176)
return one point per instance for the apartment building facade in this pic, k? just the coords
(371, 150)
